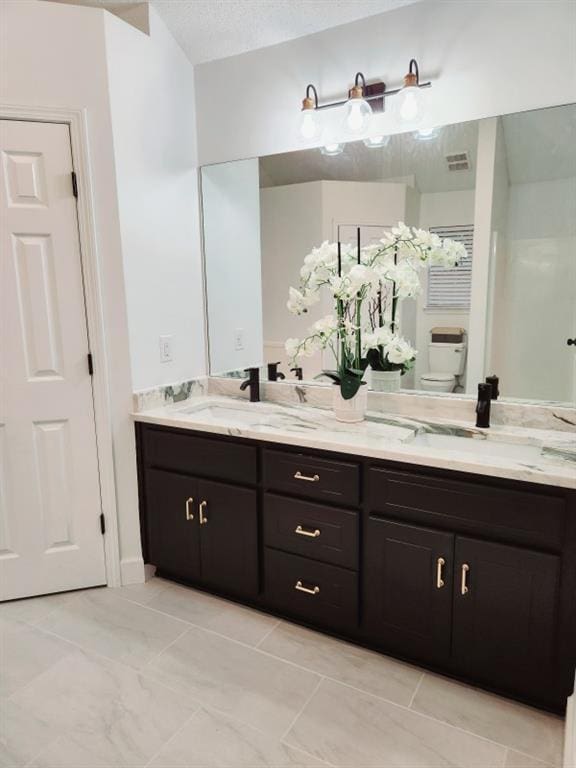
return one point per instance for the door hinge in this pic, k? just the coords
(90, 364)
(102, 523)
(74, 184)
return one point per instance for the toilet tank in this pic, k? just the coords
(447, 358)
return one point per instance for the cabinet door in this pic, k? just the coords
(408, 587)
(505, 611)
(173, 530)
(229, 537)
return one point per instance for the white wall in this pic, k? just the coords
(479, 54)
(231, 199)
(54, 56)
(439, 209)
(154, 133)
(535, 311)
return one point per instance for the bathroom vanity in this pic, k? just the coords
(464, 572)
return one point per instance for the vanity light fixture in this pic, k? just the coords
(410, 99)
(374, 142)
(363, 100)
(310, 125)
(427, 134)
(358, 110)
(331, 150)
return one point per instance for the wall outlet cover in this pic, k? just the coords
(166, 349)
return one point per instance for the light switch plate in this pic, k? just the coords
(239, 339)
(165, 349)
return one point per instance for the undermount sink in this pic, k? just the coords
(482, 447)
(222, 412)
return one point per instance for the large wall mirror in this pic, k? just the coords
(504, 187)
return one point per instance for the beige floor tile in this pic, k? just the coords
(26, 652)
(349, 728)
(494, 717)
(142, 593)
(103, 713)
(34, 609)
(213, 613)
(22, 735)
(212, 740)
(242, 682)
(369, 671)
(118, 629)
(518, 760)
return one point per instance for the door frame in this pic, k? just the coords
(77, 122)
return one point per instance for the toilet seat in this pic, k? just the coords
(439, 377)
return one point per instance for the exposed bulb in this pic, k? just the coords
(410, 105)
(358, 114)
(331, 150)
(310, 127)
(426, 134)
(373, 142)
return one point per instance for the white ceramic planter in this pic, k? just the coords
(385, 381)
(353, 410)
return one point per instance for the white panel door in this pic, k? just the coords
(50, 538)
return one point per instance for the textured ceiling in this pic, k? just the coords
(213, 29)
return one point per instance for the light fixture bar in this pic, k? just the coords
(368, 97)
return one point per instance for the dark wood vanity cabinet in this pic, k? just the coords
(471, 576)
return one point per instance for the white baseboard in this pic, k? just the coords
(132, 571)
(570, 735)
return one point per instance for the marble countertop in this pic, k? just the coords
(540, 456)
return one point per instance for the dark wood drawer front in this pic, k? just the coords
(336, 482)
(313, 530)
(524, 518)
(200, 456)
(323, 594)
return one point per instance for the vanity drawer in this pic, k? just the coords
(336, 482)
(323, 594)
(313, 530)
(531, 518)
(202, 456)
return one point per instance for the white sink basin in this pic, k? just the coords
(480, 447)
(222, 413)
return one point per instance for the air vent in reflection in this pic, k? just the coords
(458, 161)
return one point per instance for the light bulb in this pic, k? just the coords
(376, 141)
(410, 104)
(310, 127)
(331, 150)
(427, 134)
(358, 113)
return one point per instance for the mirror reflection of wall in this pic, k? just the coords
(533, 277)
(504, 187)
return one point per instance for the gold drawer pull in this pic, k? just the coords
(190, 508)
(300, 476)
(440, 563)
(301, 588)
(303, 532)
(463, 585)
(203, 518)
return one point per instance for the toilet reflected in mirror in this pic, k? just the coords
(446, 360)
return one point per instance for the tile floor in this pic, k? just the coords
(163, 676)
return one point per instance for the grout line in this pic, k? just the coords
(308, 700)
(190, 626)
(176, 732)
(506, 753)
(267, 635)
(416, 690)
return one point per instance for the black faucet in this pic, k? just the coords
(297, 372)
(273, 373)
(253, 381)
(494, 382)
(483, 405)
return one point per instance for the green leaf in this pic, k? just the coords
(350, 383)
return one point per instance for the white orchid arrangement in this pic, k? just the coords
(366, 285)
